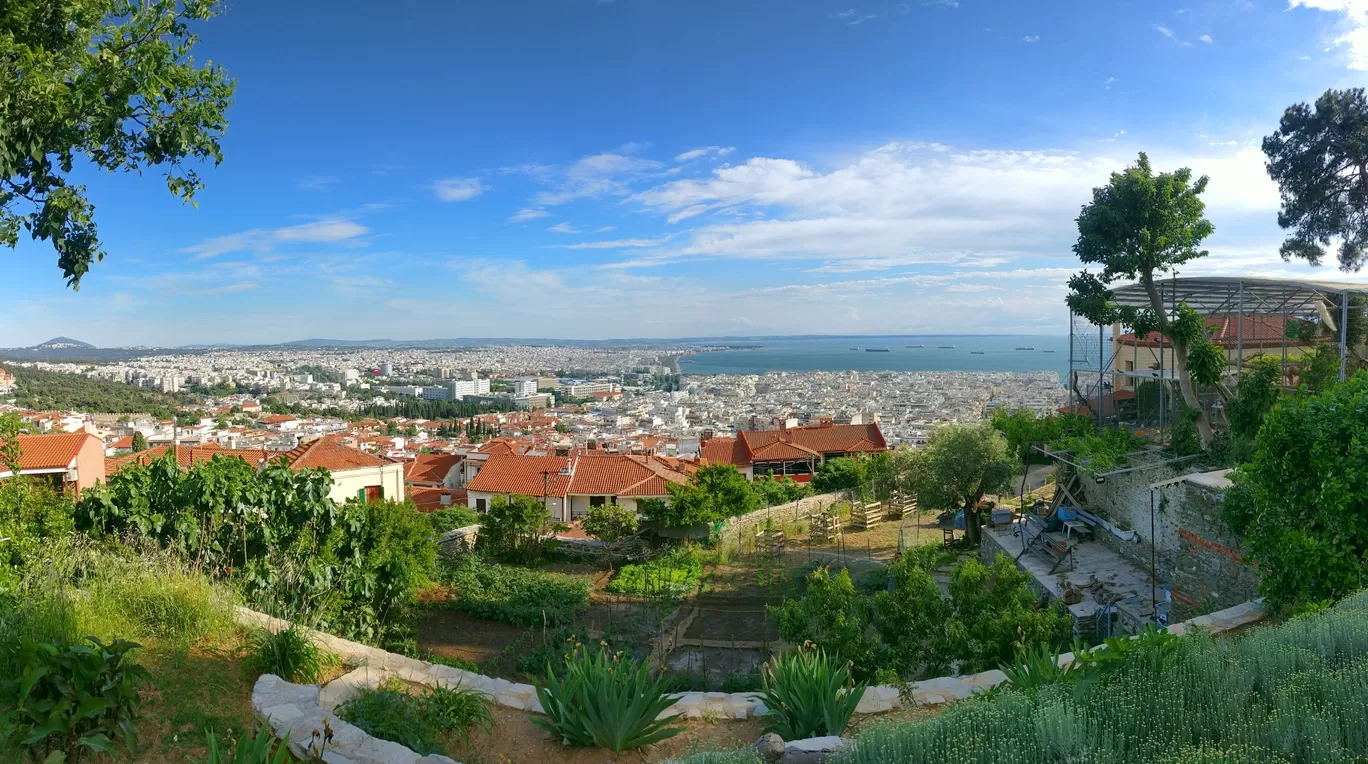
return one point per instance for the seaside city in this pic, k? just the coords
(739, 382)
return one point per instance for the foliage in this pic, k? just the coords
(418, 721)
(1024, 429)
(451, 518)
(1319, 159)
(139, 442)
(672, 575)
(517, 528)
(289, 654)
(113, 82)
(71, 698)
(1101, 450)
(1184, 439)
(809, 695)
(514, 595)
(840, 474)
(1142, 224)
(959, 464)
(1255, 396)
(1151, 649)
(251, 749)
(1299, 503)
(992, 609)
(32, 519)
(1318, 370)
(610, 523)
(54, 390)
(714, 492)
(605, 700)
(911, 617)
(289, 547)
(832, 617)
(1035, 667)
(148, 594)
(774, 491)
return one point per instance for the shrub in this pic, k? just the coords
(831, 616)
(70, 699)
(249, 749)
(457, 663)
(518, 528)
(1037, 666)
(512, 595)
(451, 518)
(289, 654)
(418, 721)
(604, 700)
(673, 575)
(809, 695)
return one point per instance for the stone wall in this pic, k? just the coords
(784, 513)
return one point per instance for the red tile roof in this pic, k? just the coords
(430, 499)
(591, 474)
(332, 454)
(525, 475)
(1258, 330)
(276, 419)
(794, 444)
(187, 456)
(51, 452)
(430, 468)
(724, 451)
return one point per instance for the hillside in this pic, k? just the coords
(54, 391)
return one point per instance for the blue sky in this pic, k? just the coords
(666, 168)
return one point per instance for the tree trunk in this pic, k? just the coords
(972, 533)
(1180, 355)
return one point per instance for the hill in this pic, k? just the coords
(63, 343)
(55, 391)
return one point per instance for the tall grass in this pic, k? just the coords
(1296, 693)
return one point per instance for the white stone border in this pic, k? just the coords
(300, 709)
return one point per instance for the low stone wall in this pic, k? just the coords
(789, 512)
(298, 710)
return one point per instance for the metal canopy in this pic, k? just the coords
(1218, 295)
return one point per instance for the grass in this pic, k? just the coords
(513, 595)
(424, 721)
(1294, 693)
(672, 575)
(289, 654)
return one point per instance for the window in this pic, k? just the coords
(481, 505)
(597, 501)
(372, 493)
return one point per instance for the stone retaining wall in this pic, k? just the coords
(297, 710)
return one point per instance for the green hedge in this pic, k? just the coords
(513, 595)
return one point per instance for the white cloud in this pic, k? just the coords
(563, 227)
(908, 204)
(615, 244)
(317, 182)
(526, 214)
(244, 286)
(1031, 38)
(941, 3)
(1223, 143)
(1169, 33)
(458, 189)
(1107, 83)
(699, 153)
(1353, 26)
(261, 241)
(605, 229)
(594, 176)
(1206, 38)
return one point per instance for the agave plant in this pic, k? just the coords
(808, 694)
(605, 699)
(251, 750)
(1037, 666)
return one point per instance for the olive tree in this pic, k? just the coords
(958, 466)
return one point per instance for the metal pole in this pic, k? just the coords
(1344, 333)
(1239, 339)
(1154, 545)
(1071, 361)
(1100, 376)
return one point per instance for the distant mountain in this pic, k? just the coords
(63, 343)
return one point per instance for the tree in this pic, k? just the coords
(1139, 225)
(139, 442)
(832, 616)
(713, 493)
(1254, 397)
(1319, 159)
(517, 528)
(958, 465)
(112, 81)
(1299, 503)
(840, 474)
(992, 609)
(612, 524)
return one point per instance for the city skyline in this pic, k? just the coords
(642, 170)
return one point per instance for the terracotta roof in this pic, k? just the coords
(508, 473)
(724, 451)
(430, 468)
(51, 452)
(1258, 330)
(187, 456)
(332, 454)
(276, 419)
(428, 499)
(124, 442)
(804, 442)
(495, 447)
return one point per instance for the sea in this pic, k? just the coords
(940, 352)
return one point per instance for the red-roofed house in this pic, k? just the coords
(435, 471)
(355, 473)
(570, 485)
(69, 462)
(792, 451)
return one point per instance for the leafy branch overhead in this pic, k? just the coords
(108, 81)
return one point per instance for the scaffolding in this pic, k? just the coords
(1119, 378)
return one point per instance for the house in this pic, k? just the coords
(68, 462)
(435, 471)
(432, 499)
(355, 473)
(281, 422)
(792, 451)
(570, 485)
(188, 456)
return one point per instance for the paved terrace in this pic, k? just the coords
(1093, 562)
